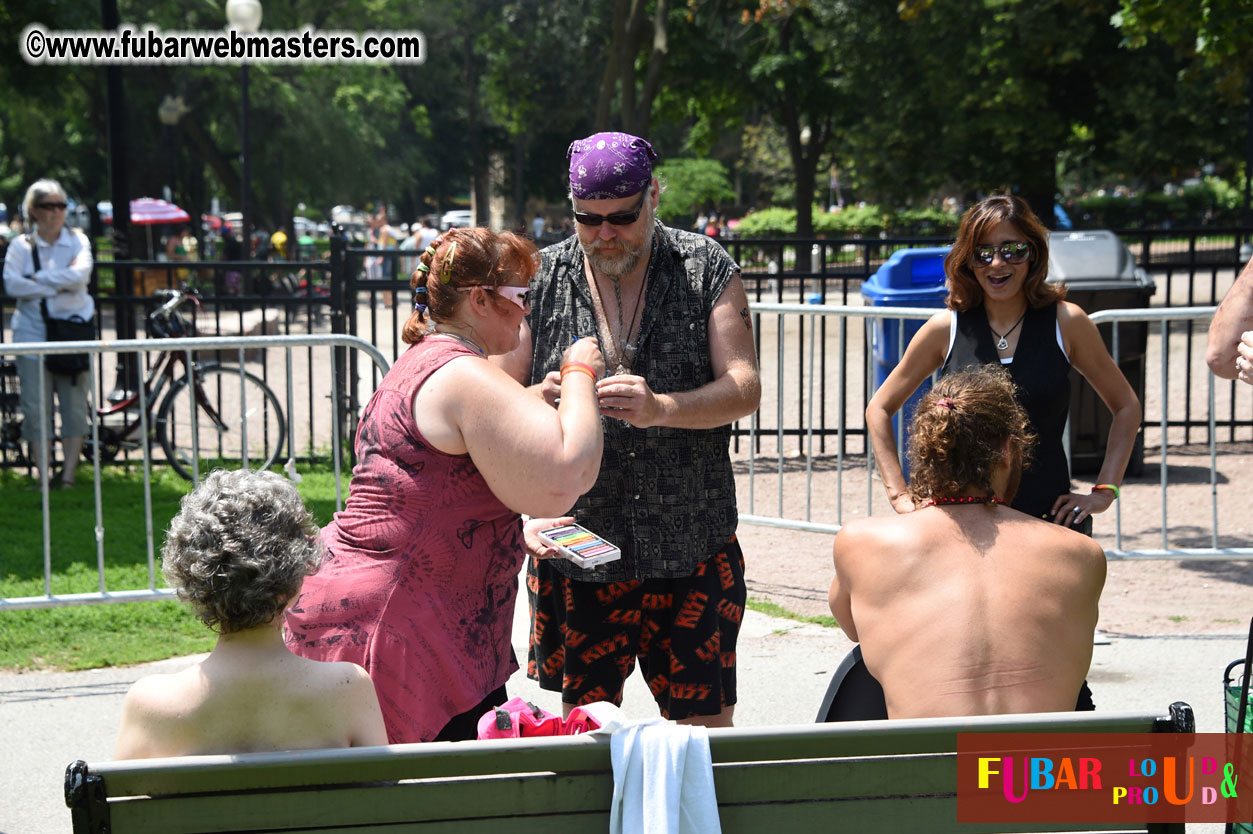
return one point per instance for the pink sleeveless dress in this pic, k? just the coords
(422, 572)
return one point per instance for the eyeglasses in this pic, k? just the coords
(51, 206)
(1014, 252)
(518, 295)
(619, 218)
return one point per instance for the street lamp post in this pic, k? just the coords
(171, 112)
(244, 16)
(126, 371)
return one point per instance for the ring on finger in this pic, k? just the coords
(1077, 510)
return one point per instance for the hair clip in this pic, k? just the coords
(445, 274)
(947, 402)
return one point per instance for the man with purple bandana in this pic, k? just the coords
(673, 323)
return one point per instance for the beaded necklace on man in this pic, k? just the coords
(965, 499)
(623, 359)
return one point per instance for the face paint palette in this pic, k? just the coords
(580, 545)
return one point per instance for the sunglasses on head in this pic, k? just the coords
(518, 295)
(1011, 253)
(52, 206)
(619, 218)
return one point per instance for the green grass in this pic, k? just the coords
(90, 636)
(773, 610)
(121, 634)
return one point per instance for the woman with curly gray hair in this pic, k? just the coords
(237, 553)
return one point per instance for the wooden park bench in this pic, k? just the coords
(867, 776)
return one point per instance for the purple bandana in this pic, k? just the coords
(609, 166)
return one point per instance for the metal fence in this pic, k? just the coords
(787, 481)
(322, 437)
(815, 492)
(808, 439)
(366, 293)
(1191, 266)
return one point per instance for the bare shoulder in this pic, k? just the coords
(873, 535)
(1069, 310)
(1071, 316)
(1063, 541)
(335, 675)
(156, 695)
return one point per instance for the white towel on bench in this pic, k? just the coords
(663, 781)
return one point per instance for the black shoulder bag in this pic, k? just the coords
(73, 329)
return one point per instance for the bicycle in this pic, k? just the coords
(193, 422)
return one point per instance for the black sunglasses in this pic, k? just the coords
(1011, 253)
(619, 218)
(51, 206)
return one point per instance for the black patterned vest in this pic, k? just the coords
(665, 496)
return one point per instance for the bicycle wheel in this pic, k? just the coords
(232, 429)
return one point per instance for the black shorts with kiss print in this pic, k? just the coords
(586, 636)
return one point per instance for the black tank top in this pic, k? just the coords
(1042, 373)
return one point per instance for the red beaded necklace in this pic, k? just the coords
(965, 499)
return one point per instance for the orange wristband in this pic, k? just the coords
(578, 367)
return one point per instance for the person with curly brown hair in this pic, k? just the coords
(237, 553)
(966, 606)
(1002, 311)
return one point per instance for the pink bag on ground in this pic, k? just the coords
(517, 718)
(579, 721)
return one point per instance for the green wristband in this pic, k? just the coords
(1111, 487)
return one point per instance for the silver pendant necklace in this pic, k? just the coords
(1003, 341)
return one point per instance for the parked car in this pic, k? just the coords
(460, 218)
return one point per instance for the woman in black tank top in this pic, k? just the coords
(1001, 311)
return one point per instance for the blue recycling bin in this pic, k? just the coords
(909, 278)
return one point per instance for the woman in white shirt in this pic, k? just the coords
(54, 263)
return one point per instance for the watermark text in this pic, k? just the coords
(149, 45)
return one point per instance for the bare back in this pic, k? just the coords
(237, 703)
(970, 610)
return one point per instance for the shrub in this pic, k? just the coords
(770, 222)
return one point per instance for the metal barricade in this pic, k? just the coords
(323, 384)
(809, 489)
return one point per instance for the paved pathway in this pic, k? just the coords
(47, 720)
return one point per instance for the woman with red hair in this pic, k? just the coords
(422, 570)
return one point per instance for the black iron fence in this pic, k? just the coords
(366, 293)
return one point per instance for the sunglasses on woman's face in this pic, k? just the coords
(52, 206)
(1011, 253)
(518, 295)
(619, 218)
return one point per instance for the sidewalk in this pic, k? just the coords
(51, 719)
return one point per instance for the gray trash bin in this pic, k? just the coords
(1101, 274)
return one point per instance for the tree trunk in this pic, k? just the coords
(656, 66)
(1039, 186)
(520, 143)
(609, 80)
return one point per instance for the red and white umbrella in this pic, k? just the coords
(148, 211)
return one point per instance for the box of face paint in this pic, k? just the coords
(580, 545)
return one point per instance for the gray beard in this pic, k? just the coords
(623, 264)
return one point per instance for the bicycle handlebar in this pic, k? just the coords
(176, 299)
